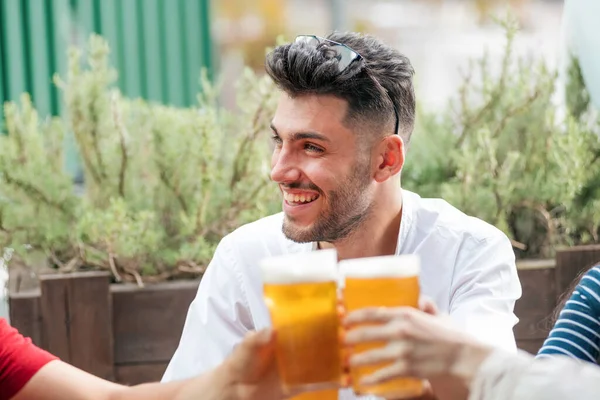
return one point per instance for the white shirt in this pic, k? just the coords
(467, 268)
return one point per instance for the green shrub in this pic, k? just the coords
(500, 152)
(162, 184)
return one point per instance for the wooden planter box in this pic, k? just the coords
(119, 332)
(128, 334)
(544, 283)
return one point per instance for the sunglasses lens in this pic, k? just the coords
(345, 56)
(309, 40)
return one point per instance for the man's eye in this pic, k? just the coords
(312, 148)
(276, 139)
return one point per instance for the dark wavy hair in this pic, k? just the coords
(566, 295)
(300, 69)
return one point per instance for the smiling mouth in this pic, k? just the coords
(299, 199)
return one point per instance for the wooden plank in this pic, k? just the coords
(90, 316)
(139, 373)
(536, 304)
(148, 321)
(25, 314)
(77, 320)
(153, 43)
(22, 279)
(571, 263)
(55, 317)
(536, 264)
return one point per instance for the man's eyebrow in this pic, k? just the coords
(303, 135)
(308, 135)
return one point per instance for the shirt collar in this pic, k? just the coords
(407, 220)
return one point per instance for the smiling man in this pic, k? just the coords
(340, 134)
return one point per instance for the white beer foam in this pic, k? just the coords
(314, 266)
(398, 266)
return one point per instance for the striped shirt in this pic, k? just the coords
(577, 330)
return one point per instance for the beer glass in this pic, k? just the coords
(388, 281)
(300, 291)
(328, 394)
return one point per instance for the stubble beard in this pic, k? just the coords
(346, 211)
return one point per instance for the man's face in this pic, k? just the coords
(324, 177)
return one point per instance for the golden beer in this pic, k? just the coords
(300, 291)
(329, 394)
(389, 281)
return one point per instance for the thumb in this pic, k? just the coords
(254, 352)
(259, 338)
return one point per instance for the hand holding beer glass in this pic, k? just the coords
(389, 281)
(301, 293)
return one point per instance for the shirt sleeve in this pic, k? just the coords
(521, 377)
(577, 331)
(216, 321)
(20, 360)
(484, 291)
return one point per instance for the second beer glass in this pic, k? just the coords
(300, 291)
(390, 281)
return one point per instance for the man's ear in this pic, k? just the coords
(390, 158)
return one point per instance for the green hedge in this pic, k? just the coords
(505, 151)
(162, 184)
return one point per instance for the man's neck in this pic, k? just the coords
(378, 236)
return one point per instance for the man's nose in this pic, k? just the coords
(284, 168)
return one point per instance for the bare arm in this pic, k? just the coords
(248, 374)
(61, 380)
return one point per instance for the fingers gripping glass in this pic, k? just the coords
(345, 56)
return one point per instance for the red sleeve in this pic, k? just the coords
(20, 359)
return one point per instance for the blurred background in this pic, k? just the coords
(158, 46)
(133, 138)
(438, 36)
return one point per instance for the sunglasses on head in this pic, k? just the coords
(345, 56)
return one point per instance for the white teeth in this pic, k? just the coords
(303, 198)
